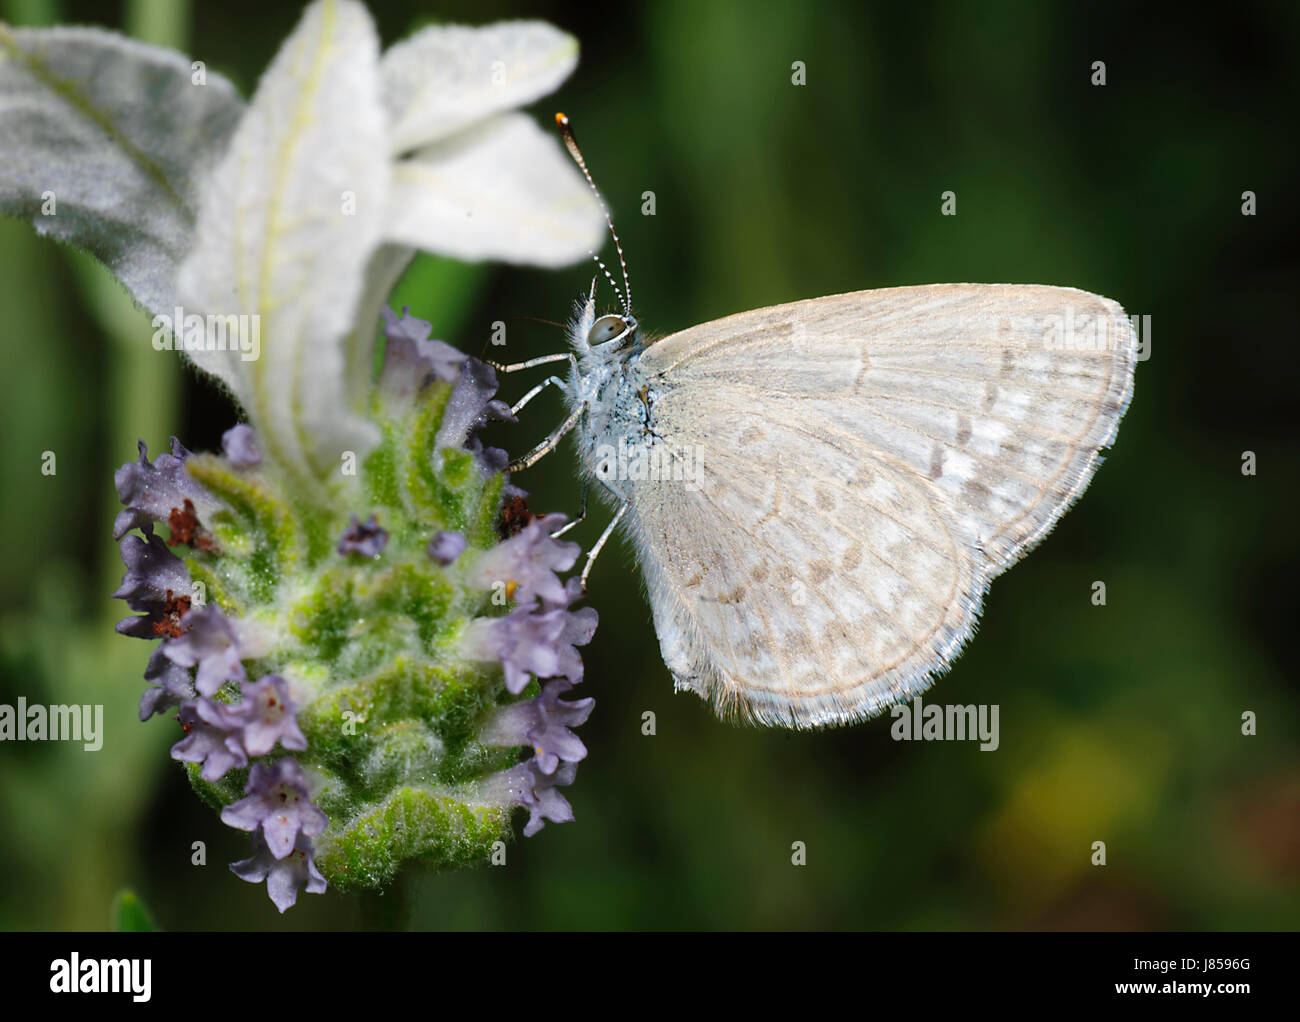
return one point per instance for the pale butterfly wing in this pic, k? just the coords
(868, 463)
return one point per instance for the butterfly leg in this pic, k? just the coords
(550, 381)
(582, 514)
(547, 445)
(594, 552)
(541, 360)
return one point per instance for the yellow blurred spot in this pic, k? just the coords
(1088, 788)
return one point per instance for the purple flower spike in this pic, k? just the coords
(445, 547)
(152, 491)
(364, 538)
(284, 876)
(544, 724)
(279, 803)
(212, 745)
(240, 446)
(170, 685)
(411, 359)
(215, 643)
(268, 715)
(527, 563)
(527, 785)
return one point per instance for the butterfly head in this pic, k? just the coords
(602, 338)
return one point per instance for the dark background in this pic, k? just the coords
(1119, 723)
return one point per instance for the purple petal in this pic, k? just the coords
(527, 563)
(217, 749)
(214, 643)
(542, 723)
(525, 642)
(411, 359)
(152, 572)
(152, 491)
(284, 876)
(270, 716)
(445, 547)
(527, 785)
(471, 407)
(366, 539)
(172, 685)
(240, 446)
(278, 800)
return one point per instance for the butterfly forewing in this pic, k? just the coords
(867, 463)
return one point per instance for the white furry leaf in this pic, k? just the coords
(102, 140)
(286, 229)
(501, 189)
(447, 76)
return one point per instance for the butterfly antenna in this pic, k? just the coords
(571, 143)
(612, 283)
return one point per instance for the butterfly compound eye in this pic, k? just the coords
(606, 329)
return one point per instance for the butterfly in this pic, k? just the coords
(820, 493)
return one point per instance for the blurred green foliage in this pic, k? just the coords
(1119, 723)
(129, 914)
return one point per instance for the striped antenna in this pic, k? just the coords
(571, 143)
(612, 283)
